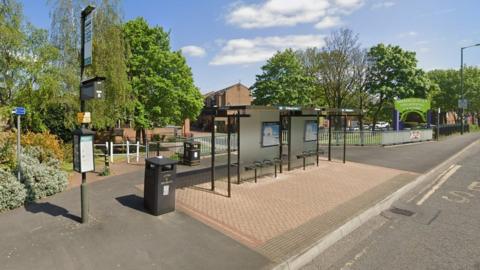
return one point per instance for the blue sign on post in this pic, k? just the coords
(19, 111)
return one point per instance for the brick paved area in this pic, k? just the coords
(259, 213)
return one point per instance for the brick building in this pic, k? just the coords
(237, 94)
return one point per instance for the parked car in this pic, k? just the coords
(382, 125)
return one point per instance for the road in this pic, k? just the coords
(434, 227)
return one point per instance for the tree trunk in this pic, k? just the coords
(144, 136)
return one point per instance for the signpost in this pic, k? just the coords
(83, 137)
(463, 103)
(19, 111)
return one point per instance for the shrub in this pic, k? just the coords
(7, 151)
(12, 192)
(41, 176)
(50, 144)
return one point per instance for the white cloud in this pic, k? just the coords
(407, 34)
(349, 4)
(193, 51)
(329, 22)
(273, 13)
(383, 4)
(247, 51)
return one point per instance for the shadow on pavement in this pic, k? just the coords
(132, 201)
(50, 209)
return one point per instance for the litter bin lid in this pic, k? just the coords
(161, 161)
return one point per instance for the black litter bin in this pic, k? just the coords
(191, 153)
(159, 185)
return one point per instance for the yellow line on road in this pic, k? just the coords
(442, 180)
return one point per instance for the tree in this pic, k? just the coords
(339, 71)
(283, 81)
(161, 80)
(40, 86)
(392, 74)
(109, 60)
(448, 93)
(12, 42)
(65, 36)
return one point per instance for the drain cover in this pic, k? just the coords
(403, 212)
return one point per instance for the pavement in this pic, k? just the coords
(433, 227)
(282, 216)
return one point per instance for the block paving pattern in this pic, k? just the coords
(259, 212)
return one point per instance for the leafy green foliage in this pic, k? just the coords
(283, 81)
(393, 73)
(41, 177)
(8, 160)
(109, 61)
(12, 192)
(338, 69)
(11, 48)
(161, 80)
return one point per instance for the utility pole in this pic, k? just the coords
(438, 124)
(461, 85)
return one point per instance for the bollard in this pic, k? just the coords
(138, 151)
(158, 149)
(106, 170)
(128, 151)
(111, 152)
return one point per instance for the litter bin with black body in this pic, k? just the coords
(159, 185)
(191, 153)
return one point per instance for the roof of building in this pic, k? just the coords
(212, 93)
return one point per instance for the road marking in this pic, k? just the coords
(350, 263)
(474, 186)
(431, 184)
(443, 179)
(461, 197)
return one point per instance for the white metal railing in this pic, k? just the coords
(109, 149)
(137, 151)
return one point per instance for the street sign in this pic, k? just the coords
(83, 150)
(463, 103)
(84, 117)
(87, 43)
(19, 111)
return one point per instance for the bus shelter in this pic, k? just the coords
(268, 138)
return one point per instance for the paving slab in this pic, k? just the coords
(278, 217)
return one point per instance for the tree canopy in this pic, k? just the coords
(283, 81)
(393, 73)
(161, 80)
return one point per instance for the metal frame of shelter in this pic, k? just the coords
(233, 114)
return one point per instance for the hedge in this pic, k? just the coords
(12, 192)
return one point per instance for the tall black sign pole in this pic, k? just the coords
(83, 186)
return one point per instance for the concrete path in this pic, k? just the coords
(47, 235)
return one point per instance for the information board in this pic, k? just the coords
(270, 134)
(83, 153)
(310, 130)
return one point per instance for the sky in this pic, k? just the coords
(226, 42)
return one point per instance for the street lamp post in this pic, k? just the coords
(461, 83)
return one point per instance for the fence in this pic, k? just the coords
(136, 151)
(406, 136)
(352, 137)
(453, 128)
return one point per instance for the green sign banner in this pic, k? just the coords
(412, 104)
